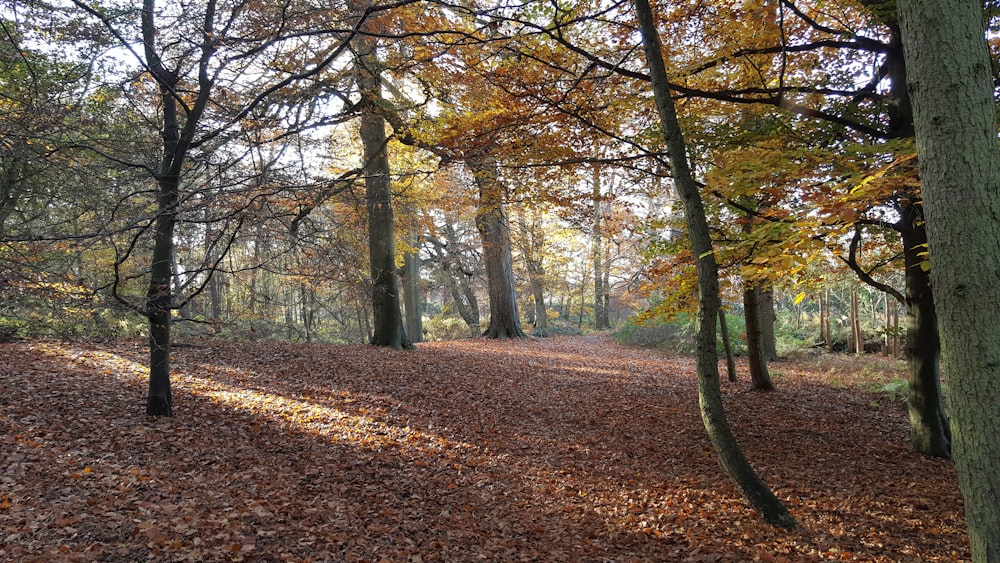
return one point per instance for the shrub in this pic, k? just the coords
(444, 327)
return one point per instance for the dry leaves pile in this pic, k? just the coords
(565, 449)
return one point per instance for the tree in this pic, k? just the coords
(532, 246)
(494, 229)
(601, 290)
(388, 320)
(948, 71)
(709, 390)
(210, 77)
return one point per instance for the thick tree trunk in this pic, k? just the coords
(929, 426)
(759, 376)
(709, 389)
(388, 320)
(494, 230)
(952, 93)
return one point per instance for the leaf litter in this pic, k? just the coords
(556, 449)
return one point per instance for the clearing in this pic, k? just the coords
(557, 449)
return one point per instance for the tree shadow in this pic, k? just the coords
(491, 450)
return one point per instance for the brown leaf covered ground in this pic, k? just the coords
(564, 449)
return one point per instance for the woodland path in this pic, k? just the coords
(555, 449)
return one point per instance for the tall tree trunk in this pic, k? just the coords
(759, 376)
(411, 290)
(854, 345)
(533, 241)
(827, 327)
(929, 425)
(388, 320)
(176, 142)
(601, 320)
(952, 93)
(494, 230)
(159, 300)
(709, 389)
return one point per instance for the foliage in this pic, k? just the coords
(674, 334)
(557, 328)
(445, 326)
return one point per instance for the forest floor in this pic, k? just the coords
(556, 449)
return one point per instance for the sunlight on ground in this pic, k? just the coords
(305, 415)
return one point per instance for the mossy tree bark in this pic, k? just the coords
(952, 93)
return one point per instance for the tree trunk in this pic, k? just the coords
(952, 94)
(887, 341)
(727, 345)
(533, 242)
(491, 221)
(769, 345)
(411, 292)
(159, 299)
(759, 376)
(709, 390)
(930, 433)
(388, 321)
(855, 346)
(601, 320)
(827, 324)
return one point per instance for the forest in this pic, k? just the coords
(406, 251)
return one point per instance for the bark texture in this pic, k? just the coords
(930, 432)
(950, 86)
(494, 230)
(709, 389)
(760, 378)
(387, 318)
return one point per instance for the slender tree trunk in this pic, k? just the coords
(727, 345)
(533, 242)
(388, 320)
(853, 345)
(887, 340)
(411, 292)
(491, 221)
(952, 93)
(768, 343)
(159, 301)
(709, 389)
(760, 378)
(601, 321)
(827, 323)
